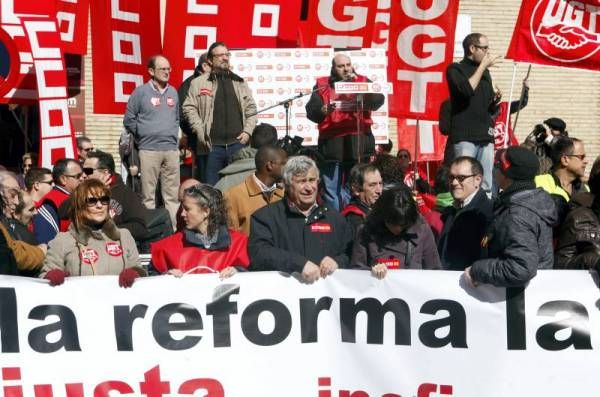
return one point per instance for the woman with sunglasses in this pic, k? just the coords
(93, 245)
(205, 244)
(395, 236)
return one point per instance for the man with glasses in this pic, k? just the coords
(84, 147)
(466, 221)
(519, 240)
(152, 117)
(221, 113)
(568, 168)
(52, 216)
(472, 103)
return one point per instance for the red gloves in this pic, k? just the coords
(127, 277)
(56, 277)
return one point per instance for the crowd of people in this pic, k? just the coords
(251, 203)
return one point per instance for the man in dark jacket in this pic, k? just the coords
(519, 241)
(297, 234)
(366, 186)
(472, 103)
(466, 221)
(126, 208)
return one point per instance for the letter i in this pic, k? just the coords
(12, 374)
(323, 382)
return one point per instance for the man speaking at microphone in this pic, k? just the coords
(345, 136)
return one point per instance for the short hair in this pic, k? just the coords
(469, 40)
(35, 175)
(389, 168)
(440, 182)
(266, 154)
(262, 135)
(30, 156)
(476, 167)
(203, 58)
(395, 206)
(563, 146)
(387, 147)
(60, 168)
(81, 140)
(213, 46)
(105, 160)
(358, 172)
(207, 196)
(79, 201)
(297, 165)
(153, 58)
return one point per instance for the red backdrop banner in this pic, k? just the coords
(125, 34)
(190, 28)
(558, 33)
(72, 17)
(420, 48)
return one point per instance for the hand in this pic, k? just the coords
(489, 60)
(379, 271)
(175, 272)
(328, 265)
(106, 178)
(227, 272)
(127, 277)
(469, 279)
(56, 277)
(243, 138)
(310, 272)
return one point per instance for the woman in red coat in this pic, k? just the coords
(205, 244)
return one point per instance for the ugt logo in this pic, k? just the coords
(428, 390)
(565, 30)
(9, 63)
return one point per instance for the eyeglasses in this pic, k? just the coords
(579, 156)
(93, 201)
(163, 69)
(459, 178)
(89, 170)
(47, 182)
(76, 176)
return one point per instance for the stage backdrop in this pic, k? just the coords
(416, 333)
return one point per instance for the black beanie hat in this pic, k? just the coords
(517, 163)
(556, 124)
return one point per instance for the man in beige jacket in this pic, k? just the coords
(221, 112)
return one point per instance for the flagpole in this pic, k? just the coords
(510, 95)
(415, 165)
(521, 99)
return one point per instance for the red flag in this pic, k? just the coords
(420, 48)
(125, 34)
(557, 32)
(501, 139)
(340, 23)
(191, 28)
(431, 144)
(72, 17)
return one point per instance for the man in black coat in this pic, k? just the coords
(466, 221)
(519, 240)
(297, 234)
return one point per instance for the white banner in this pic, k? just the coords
(416, 333)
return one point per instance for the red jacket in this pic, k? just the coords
(174, 252)
(56, 197)
(339, 123)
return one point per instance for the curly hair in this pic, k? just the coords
(207, 196)
(389, 168)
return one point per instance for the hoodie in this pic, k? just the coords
(242, 165)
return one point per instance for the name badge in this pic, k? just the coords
(114, 249)
(155, 101)
(170, 102)
(390, 263)
(320, 228)
(89, 256)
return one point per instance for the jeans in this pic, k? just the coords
(335, 177)
(484, 153)
(218, 158)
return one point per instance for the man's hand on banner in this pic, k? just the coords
(311, 272)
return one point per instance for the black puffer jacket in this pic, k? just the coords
(519, 240)
(579, 236)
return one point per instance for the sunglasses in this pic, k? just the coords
(579, 156)
(93, 201)
(459, 178)
(89, 171)
(48, 182)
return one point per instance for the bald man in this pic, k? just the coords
(344, 140)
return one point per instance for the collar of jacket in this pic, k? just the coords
(254, 189)
(318, 212)
(83, 235)
(230, 75)
(577, 183)
(223, 239)
(515, 187)
(363, 207)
